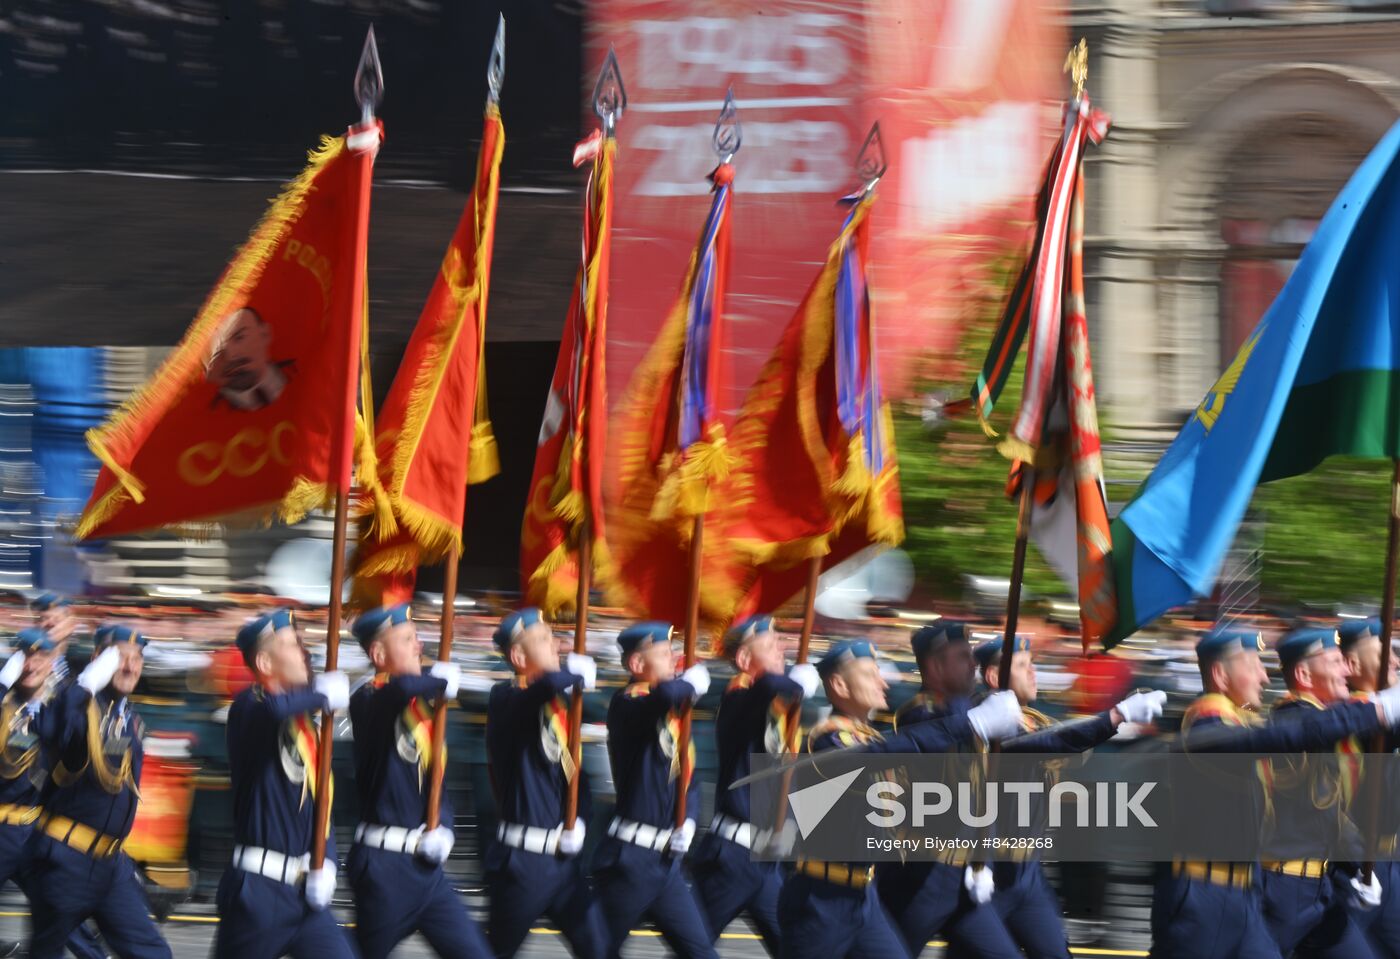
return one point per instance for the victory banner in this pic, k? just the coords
(247, 416)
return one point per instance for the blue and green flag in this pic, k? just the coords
(1318, 377)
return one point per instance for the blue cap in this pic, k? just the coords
(933, 637)
(111, 634)
(47, 601)
(844, 652)
(1307, 641)
(1223, 641)
(514, 624)
(260, 626)
(639, 636)
(1352, 631)
(34, 640)
(741, 632)
(371, 624)
(989, 653)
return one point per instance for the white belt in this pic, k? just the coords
(391, 838)
(529, 838)
(640, 834)
(735, 830)
(272, 865)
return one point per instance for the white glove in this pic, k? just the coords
(335, 686)
(1142, 708)
(1389, 700)
(997, 717)
(435, 845)
(584, 668)
(320, 886)
(680, 838)
(98, 673)
(1366, 895)
(980, 884)
(451, 674)
(571, 840)
(806, 676)
(13, 667)
(699, 679)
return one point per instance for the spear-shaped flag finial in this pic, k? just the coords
(729, 132)
(496, 69)
(609, 94)
(369, 79)
(870, 162)
(1077, 66)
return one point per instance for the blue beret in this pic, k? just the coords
(1225, 641)
(1299, 644)
(514, 624)
(639, 636)
(935, 636)
(34, 639)
(47, 601)
(740, 633)
(370, 624)
(264, 625)
(110, 634)
(1352, 631)
(844, 652)
(989, 653)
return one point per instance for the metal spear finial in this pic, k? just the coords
(729, 132)
(870, 162)
(496, 69)
(609, 94)
(369, 79)
(1077, 66)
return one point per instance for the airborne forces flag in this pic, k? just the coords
(249, 414)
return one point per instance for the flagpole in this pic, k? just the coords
(804, 647)
(1018, 572)
(692, 626)
(369, 88)
(1378, 744)
(585, 567)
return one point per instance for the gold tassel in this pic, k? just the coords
(484, 458)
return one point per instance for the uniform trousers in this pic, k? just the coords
(819, 918)
(1311, 916)
(262, 918)
(1198, 919)
(67, 887)
(16, 850)
(928, 898)
(526, 885)
(729, 882)
(634, 883)
(1381, 924)
(397, 895)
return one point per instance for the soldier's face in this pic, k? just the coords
(1364, 658)
(59, 622)
(654, 664)
(951, 672)
(283, 660)
(1327, 673)
(1242, 678)
(762, 654)
(398, 651)
(536, 651)
(129, 671)
(38, 666)
(241, 357)
(859, 687)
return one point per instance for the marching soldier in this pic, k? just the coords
(830, 909)
(89, 805)
(1303, 908)
(1210, 910)
(1028, 906)
(395, 865)
(532, 867)
(926, 897)
(271, 902)
(753, 716)
(638, 863)
(56, 617)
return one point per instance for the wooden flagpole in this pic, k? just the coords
(804, 647)
(692, 626)
(585, 568)
(1374, 791)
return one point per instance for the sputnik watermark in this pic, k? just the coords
(1111, 804)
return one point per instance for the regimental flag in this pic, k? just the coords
(437, 399)
(671, 445)
(1056, 428)
(1318, 377)
(815, 472)
(565, 500)
(248, 415)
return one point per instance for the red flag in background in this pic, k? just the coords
(565, 499)
(815, 472)
(248, 415)
(671, 446)
(438, 397)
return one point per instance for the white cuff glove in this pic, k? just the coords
(680, 838)
(997, 717)
(335, 686)
(1142, 708)
(320, 886)
(980, 884)
(13, 667)
(805, 675)
(98, 673)
(699, 679)
(451, 674)
(571, 840)
(1389, 700)
(435, 845)
(584, 668)
(1365, 895)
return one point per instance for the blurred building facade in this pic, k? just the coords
(1235, 123)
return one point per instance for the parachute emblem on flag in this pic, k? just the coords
(1209, 410)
